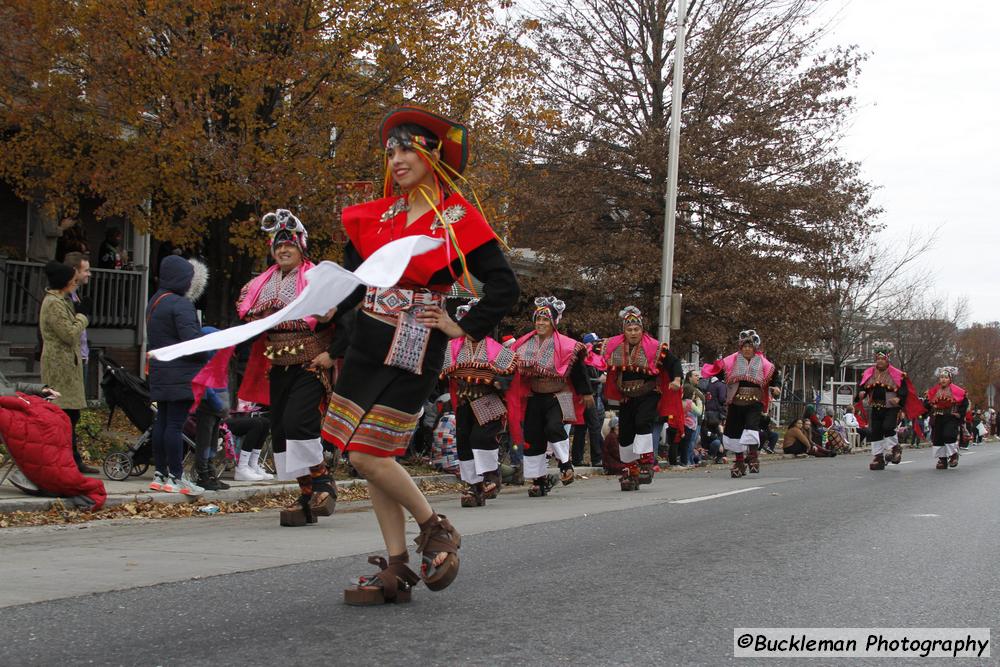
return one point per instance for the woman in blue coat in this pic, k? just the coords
(171, 318)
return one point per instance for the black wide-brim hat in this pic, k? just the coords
(454, 136)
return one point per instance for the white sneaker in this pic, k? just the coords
(245, 473)
(186, 486)
(169, 484)
(255, 465)
(159, 479)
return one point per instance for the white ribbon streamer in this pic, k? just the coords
(327, 284)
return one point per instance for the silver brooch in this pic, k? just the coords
(397, 207)
(451, 215)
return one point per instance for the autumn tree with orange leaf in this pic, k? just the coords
(191, 119)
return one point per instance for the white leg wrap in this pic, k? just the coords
(560, 450)
(891, 441)
(535, 466)
(467, 469)
(749, 437)
(486, 460)
(733, 445)
(627, 453)
(284, 472)
(643, 444)
(948, 449)
(880, 447)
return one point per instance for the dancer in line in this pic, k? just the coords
(947, 404)
(297, 384)
(477, 371)
(883, 391)
(752, 382)
(643, 376)
(400, 335)
(550, 389)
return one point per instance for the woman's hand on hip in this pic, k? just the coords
(435, 317)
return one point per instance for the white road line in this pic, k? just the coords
(685, 501)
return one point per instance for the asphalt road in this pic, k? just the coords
(819, 543)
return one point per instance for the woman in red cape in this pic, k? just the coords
(752, 381)
(947, 404)
(645, 378)
(550, 389)
(398, 341)
(884, 390)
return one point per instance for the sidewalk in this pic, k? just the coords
(135, 489)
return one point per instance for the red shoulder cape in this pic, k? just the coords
(371, 225)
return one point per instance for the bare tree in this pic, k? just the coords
(867, 281)
(760, 176)
(925, 334)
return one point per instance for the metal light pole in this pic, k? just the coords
(667, 270)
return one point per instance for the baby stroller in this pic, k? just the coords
(126, 391)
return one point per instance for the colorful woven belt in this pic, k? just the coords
(395, 300)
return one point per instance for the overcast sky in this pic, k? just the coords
(927, 131)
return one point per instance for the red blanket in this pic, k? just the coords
(38, 436)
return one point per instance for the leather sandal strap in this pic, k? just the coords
(437, 539)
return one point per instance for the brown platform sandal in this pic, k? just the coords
(492, 483)
(739, 468)
(567, 474)
(324, 497)
(473, 496)
(393, 583)
(437, 535)
(299, 514)
(897, 454)
(878, 463)
(953, 460)
(541, 486)
(629, 478)
(942, 464)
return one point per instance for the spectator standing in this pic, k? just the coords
(61, 322)
(81, 265)
(46, 230)
(593, 417)
(73, 239)
(109, 255)
(171, 318)
(716, 393)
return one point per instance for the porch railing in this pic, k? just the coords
(115, 295)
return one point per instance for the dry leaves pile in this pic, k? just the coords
(59, 514)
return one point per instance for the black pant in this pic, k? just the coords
(883, 423)
(206, 431)
(252, 430)
(74, 419)
(168, 437)
(543, 423)
(470, 434)
(636, 417)
(592, 426)
(945, 429)
(296, 396)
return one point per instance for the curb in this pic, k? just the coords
(234, 493)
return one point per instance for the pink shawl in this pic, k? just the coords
(650, 347)
(894, 373)
(493, 348)
(727, 364)
(257, 284)
(520, 390)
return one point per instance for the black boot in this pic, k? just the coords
(206, 479)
